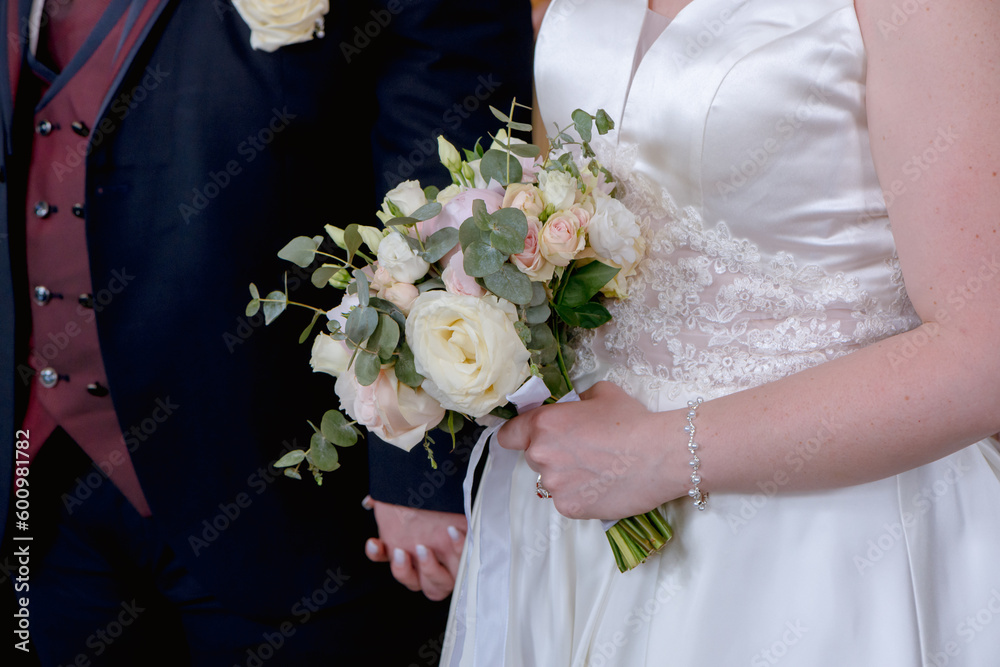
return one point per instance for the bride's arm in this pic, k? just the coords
(934, 118)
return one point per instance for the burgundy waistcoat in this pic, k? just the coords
(70, 388)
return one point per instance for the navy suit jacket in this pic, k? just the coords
(207, 158)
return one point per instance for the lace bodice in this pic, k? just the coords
(768, 246)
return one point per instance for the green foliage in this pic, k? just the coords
(254, 306)
(439, 244)
(274, 305)
(500, 166)
(406, 370)
(304, 336)
(301, 250)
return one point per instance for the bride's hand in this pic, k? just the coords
(604, 457)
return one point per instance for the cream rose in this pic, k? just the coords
(558, 189)
(618, 287)
(397, 257)
(276, 23)
(524, 196)
(561, 238)
(393, 411)
(407, 197)
(530, 262)
(613, 231)
(467, 350)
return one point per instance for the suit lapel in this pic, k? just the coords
(15, 20)
(148, 16)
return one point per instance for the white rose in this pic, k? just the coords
(618, 287)
(330, 355)
(397, 257)
(395, 412)
(613, 231)
(408, 196)
(467, 350)
(558, 189)
(275, 23)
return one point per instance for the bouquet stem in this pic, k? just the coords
(634, 539)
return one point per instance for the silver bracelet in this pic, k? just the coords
(700, 499)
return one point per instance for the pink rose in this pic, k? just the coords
(561, 238)
(395, 412)
(458, 209)
(530, 262)
(456, 280)
(401, 295)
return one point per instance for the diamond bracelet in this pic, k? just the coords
(700, 499)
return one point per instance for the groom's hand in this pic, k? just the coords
(423, 547)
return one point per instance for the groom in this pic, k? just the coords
(154, 161)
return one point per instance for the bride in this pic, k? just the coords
(795, 162)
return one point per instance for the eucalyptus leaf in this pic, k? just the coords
(431, 192)
(537, 314)
(301, 250)
(274, 305)
(335, 429)
(322, 454)
(402, 220)
(583, 121)
(361, 323)
(509, 283)
(321, 276)
(385, 338)
(293, 473)
(585, 282)
(501, 167)
(451, 423)
(308, 330)
(470, 233)
(253, 307)
(383, 305)
(433, 283)
(291, 458)
(543, 342)
(427, 211)
(406, 370)
(520, 127)
(253, 291)
(439, 244)
(480, 215)
(539, 295)
(353, 239)
(481, 260)
(525, 150)
(366, 367)
(499, 115)
(510, 229)
(364, 291)
(554, 380)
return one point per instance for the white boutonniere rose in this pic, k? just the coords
(277, 23)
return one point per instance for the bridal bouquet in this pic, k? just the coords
(467, 293)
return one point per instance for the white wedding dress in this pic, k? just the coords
(743, 143)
